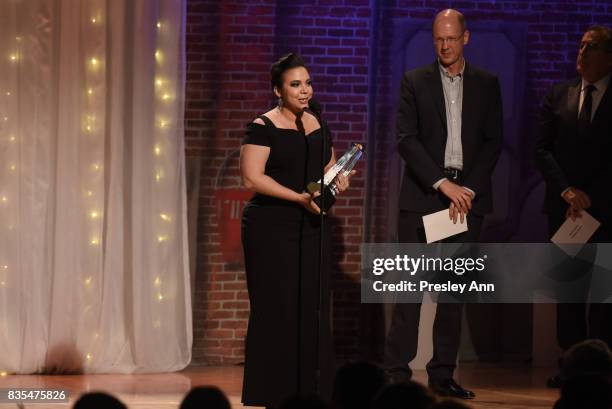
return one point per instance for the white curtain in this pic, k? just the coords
(94, 272)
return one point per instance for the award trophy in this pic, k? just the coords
(343, 166)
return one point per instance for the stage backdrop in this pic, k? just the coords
(93, 248)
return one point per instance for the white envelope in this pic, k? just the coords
(577, 231)
(439, 226)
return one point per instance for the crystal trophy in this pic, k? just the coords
(343, 166)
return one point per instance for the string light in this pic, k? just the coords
(8, 93)
(2, 283)
(95, 63)
(5, 267)
(5, 118)
(4, 199)
(3, 374)
(89, 121)
(12, 167)
(88, 356)
(12, 138)
(14, 57)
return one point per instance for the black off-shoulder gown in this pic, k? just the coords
(281, 249)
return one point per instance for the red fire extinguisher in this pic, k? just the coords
(230, 203)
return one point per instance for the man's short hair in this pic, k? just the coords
(462, 22)
(605, 35)
(460, 19)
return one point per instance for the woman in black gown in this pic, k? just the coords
(280, 155)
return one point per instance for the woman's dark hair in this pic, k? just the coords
(284, 63)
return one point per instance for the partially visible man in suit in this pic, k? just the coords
(449, 126)
(574, 153)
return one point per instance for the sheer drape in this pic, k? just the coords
(93, 248)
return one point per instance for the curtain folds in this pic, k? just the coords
(94, 271)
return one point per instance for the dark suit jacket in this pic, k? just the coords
(568, 159)
(422, 133)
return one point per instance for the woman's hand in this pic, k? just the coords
(342, 182)
(307, 201)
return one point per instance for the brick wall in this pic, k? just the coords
(228, 53)
(230, 45)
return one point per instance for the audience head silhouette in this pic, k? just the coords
(356, 385)
(449, 404)
(98, 400)
(585, 391)
(209, 397)
(404, 395)
(590, 357)
(304, 402)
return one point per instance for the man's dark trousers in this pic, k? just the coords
(403, 335)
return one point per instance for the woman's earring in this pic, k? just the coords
(280, 103)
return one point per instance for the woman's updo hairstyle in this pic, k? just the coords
(284, 63)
